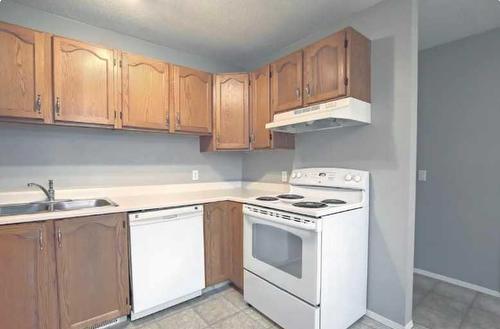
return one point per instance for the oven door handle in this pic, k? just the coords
(285, 222)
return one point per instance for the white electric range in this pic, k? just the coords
(306, 251)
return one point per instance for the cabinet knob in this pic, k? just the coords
(297, 92)
(308, 90)
(59, 237)
(38, 104)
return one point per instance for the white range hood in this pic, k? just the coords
(335, 114)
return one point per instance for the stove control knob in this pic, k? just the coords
(294, 175)
(348, 177)
(299, 175)
(357, 179)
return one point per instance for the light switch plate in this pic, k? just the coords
(195, 175)
(422, 175)
(284, 176)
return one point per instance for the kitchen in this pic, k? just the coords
(159, 157)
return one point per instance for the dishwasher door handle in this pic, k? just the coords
(138, 221)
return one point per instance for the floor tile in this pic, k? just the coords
(186, 319)
(487, 303)
(235, 298)
(438, 312)
(372, 324)
(418, 296)
(454, 292)
(238, 321)
(215, 309)
(259, 317)
(423, 283)
(478, 319)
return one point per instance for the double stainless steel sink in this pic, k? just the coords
(56, 205)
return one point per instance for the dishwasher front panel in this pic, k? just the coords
(167, 258)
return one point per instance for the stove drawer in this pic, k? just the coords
(286, 310)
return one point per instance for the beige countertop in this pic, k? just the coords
(138, 198)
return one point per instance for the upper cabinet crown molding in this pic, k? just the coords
(145, 92)
(84, 84)
(25, 62)
(192, 100)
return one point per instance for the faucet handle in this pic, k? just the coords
(51, 183)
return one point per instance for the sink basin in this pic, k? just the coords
(46, 206)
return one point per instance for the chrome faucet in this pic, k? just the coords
(50, 193)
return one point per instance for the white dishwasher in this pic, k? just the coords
(167, 258)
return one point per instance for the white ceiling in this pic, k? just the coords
(442, 21)
(234, 31)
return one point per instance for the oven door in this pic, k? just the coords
(286, 256)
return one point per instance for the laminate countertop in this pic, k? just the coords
(139, 198)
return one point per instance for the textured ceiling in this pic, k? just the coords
(235, 31)
(443, 21)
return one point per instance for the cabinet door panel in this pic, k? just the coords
(92, 268)
(261, 107)
(83, 82)
(192, 98)
(217, 232)
(324, 69)
(235, 214)
(145, 92)
(287, 82)
(23, 63)
(27, 278)
(231, 111)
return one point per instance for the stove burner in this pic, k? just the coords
(267, 198)
(334, 201)
(310, 205)
(290, 196)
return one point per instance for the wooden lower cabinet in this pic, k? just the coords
(28, 297)
(92, 269)
(70, 273)
(223, 243)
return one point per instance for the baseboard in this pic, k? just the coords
(457, 282)
(385, 321)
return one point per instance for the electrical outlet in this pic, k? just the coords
(284, 176)
(422, 175)
(195, 175)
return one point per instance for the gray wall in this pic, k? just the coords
(386, 148)
(15, 13)
(458, 223)
(88, 157)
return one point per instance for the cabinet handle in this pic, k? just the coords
(38, 104)
(58, 106)
(59, 237)
(308, 90)
(218, 138)
(178, 119)
(40, 239)
(168, 119)
(297, 92)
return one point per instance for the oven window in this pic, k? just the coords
(278, 248)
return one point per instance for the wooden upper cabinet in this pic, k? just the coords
(27, 279)
(192, 99)
(25, 69)
(84, 88)
(92, 269)
(217, 231)
(324, 69)
(260, 104)
(287, 82)
(231, 111)
(145, 92)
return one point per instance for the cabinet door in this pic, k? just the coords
(231, 111)
(27, 279)
(83, 82)
(92, 269)
(235, 214)
(192, 99)
(287, 82)
(217, 232)
(145, 93)
(325, 69)
(25, 70)
(260, 101)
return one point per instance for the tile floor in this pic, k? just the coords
(436, 305)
